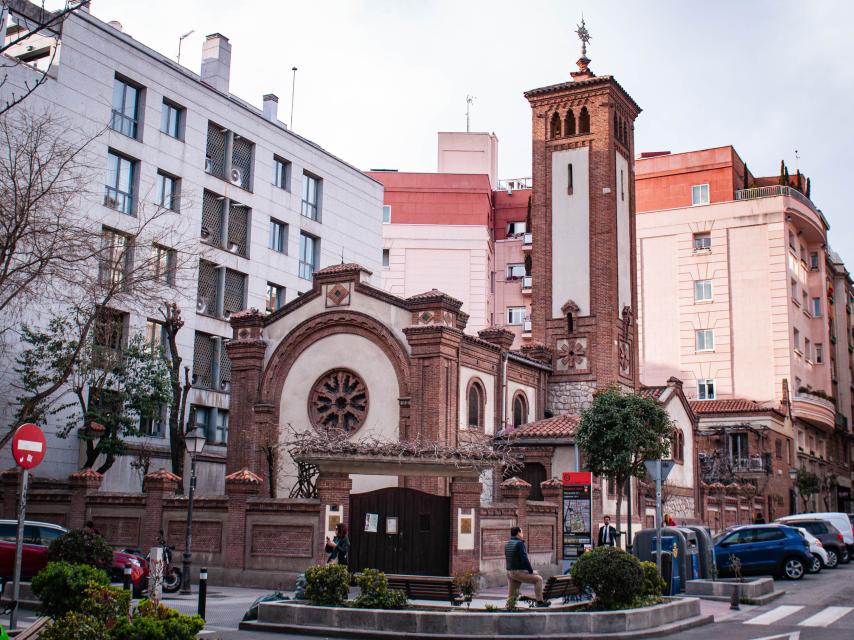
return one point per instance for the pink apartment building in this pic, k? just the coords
(736, 299)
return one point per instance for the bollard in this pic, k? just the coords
(126, 572)
(203, 590)
(735, 598)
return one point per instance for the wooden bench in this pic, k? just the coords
(33, 631)
(438, 588)
(561, 586)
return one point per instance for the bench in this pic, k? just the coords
(33, 631)
(556, 587)
(438, 588)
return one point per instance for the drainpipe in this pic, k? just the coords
(504, 357)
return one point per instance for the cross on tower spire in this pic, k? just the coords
(583, 62)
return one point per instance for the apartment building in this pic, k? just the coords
(736, 298)
(265, 207)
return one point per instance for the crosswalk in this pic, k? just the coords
(787, 614)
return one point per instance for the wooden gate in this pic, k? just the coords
(399, 530)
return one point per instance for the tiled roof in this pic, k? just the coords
(433, 294)
(515, 482)
(244, 476)
(732, 405)
(162, 474)
(562, 426)
(652, 392)
(344, 267)
(87, 474)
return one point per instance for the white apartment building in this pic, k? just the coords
(266, 206)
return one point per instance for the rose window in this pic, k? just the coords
(338, 400)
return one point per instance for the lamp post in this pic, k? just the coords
(793, 476)
(195, 442)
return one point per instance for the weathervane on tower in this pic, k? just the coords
(583, 35)
(583, 62)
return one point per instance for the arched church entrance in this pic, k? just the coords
(400, 530)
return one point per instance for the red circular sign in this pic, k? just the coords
(28, 446)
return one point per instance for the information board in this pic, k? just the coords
(577, 515)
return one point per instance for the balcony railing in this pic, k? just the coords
(750, 465)
(778, 190)
(808, 397)
(512, 184)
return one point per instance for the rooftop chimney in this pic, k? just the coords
(271, 107)
(216, 62)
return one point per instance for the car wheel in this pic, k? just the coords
(832, 559)
(794, 569)
(844, 556)
(815, 567)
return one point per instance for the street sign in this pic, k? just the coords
(666, 468)
(659, 470)
(28, 446)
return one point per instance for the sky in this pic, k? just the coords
(377, 79)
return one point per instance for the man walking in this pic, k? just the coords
(607, 533)
(519, 567)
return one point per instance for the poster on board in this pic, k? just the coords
(577, 515)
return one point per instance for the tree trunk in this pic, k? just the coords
(619, 512)
(173, 324)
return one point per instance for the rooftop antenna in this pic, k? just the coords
(342, 255)
(293, 88)
(469, 101)
(181, 41)
(797, 157)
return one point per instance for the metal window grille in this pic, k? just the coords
(212, 213)
(241, 160)
(235, 287)
(204, 349)
(238, 225)
(215, 151)
(224, 369)
(207, 298)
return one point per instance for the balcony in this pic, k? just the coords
(780, 190)
(819, 412)
(753, 464)
(527, 241)
(527, 283)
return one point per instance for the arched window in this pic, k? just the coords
(625, 133)
(554, 127)
(476, 405)
(618, 132)
(584, 121)
(677, 446)
(569, 124)
(520, 409)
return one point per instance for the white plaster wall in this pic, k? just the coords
(488, 380)
(659, 330)
(571, 230)
(624, 237)
(367, 360)
(563, 460)
(682, 475)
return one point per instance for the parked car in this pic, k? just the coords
(838, 520)
(763, 549)
(37, 538)
(831, 538)
(819, 555)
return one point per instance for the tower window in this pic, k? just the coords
(622, 185)
(569, 179)
(569, 124)
(584, 121)
(554, 127)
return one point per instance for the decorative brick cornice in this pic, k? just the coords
(86, 478)
(498, 336)
(551, 483)
(515, 488)
(247, 325)
(161, 479)
(244, 476)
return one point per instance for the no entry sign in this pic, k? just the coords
(28, 446)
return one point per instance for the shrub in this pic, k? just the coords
(154, 621)
(327, 584)
(375, 592)
(614, 576)
(81, 547)
(110, 605)
(653, 584)
(468, 582)
(75, 626)
(61, 586)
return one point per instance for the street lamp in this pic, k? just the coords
(195, 442)
(793, 476)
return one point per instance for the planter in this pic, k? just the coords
(751, 590)
(673, 615)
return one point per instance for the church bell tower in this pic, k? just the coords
(584, 304)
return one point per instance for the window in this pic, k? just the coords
(569, 179)
(476, 404)
(796, 338)
(515, 271)
(702, 290)
(154, 423)
(815, 308)
(125, 108)
(819, 353)
(622, 186)
(167, 191)
(281, 172)
(311, 197)
(213, 422)
(778, 449)
(814, 261)
(520, 409)
(769, 535)
(515, 315)
(793, 284)
(803, 253)
(108, 334)
(699, 194)
(569, 123)
(200, 417)
(309, 252)
(807, 349)
(386, 257)
(677, 446)
(515, 228)
(705, 339)
(805, 301)
(155, 335)
(705, 389)
(164, 264)
(220, 434)
(702, 241)
(207, 302)
(584, 121)
(120, 183)
(275, 297)
(738, 450)
(172, 119)
(386, 214)
(234, 292)
(554, 126)
(278, 236)
(115, 260)
(791, 241)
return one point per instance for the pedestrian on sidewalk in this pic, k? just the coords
(607, 533)
(339, 547)
(519, 567)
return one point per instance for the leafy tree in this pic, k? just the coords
(618, 433)
(807, 194)
(783, 173)
(528, 217)
(113, 390)
(746, 183)
(808, 484)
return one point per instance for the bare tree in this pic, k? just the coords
(32, 42)
(172, 323)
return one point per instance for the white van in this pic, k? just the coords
(838, 520)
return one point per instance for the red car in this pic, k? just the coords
(37, 537)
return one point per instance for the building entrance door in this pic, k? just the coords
(400, 530)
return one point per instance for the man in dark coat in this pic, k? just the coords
(607, 534)
(519, 567)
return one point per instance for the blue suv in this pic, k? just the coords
(763, 549)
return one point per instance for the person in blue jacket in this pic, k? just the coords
(519, 567)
